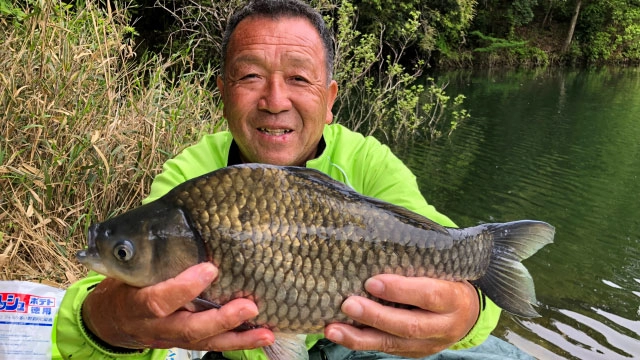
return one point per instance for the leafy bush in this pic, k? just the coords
(380, 95)
(499, 51)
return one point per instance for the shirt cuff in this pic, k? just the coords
(75, 341)
(486, 323)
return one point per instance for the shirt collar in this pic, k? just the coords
(235, 159)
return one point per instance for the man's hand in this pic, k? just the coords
(152, 317)
(445, 313)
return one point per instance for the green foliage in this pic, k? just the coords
(11, 10)
(509, 52)
(380, 95)
(496, 44)
(500, 18)
(440, 24)
(627, 38)
(607, 31)
(521, 12)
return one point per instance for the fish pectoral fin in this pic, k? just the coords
(287, 347)
(200, 304)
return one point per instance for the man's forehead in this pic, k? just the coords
(273, 22)
(295, 37)
(294, 56)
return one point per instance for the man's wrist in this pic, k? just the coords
(90, 334)
(488, 316)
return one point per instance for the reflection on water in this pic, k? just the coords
(579, 336)
(575, 337)
(562, 147)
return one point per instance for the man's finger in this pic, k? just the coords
(440, 296)
(168, 296)
(204, 327)
(405, 323)
(194, 327)
(373, 339)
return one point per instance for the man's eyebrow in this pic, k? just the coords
(247, 58)
(299, 56)
(300, 61)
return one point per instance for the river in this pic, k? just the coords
(563, 147)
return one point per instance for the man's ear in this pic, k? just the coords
(220, 83)
(332, 93)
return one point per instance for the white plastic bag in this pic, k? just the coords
(27, 311)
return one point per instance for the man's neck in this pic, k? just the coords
(235, 157)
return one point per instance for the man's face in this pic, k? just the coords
(275, 92)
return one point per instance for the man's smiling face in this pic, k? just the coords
(275, 91)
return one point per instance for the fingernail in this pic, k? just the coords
(207, 274)
(374, 286)
(264, 342)
(334, 335)
(248, 313)
(352, 307)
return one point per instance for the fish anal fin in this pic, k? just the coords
(287, 347)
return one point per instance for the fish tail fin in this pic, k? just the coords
(507, 282)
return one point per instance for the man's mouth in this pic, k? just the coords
(275, 132)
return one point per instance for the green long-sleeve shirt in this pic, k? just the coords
(361, 162)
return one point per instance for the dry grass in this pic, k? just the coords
(83, 130)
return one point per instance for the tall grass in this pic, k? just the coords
(83, 129)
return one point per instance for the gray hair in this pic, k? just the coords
(276, 9)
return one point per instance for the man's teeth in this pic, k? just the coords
(275, 131)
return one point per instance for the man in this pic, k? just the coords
(278, 93)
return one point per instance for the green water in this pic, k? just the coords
(563, 147)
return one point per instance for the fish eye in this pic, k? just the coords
(123, 251)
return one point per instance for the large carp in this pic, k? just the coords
(298, 243)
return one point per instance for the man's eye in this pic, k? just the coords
(249, 76)
(300, 79)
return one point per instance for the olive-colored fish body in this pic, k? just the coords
(298, 243)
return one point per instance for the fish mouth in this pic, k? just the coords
(274, 132)
(90, 257)
(92, 260)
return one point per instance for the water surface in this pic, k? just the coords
(562, 147)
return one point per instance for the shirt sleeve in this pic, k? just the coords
(208, 154)
(73, 339)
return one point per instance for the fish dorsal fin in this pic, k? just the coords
(287, 347)
(401, 213)
(409, 216)
(314, 175)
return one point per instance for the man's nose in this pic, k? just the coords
(275, 98)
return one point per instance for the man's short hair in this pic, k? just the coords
(275, 9)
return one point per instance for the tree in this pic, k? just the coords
(572, 26)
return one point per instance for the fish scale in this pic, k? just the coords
(298, 243)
